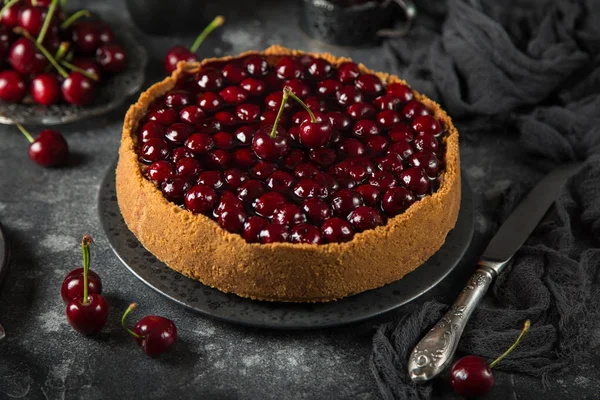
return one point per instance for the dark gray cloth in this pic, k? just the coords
(529, 69)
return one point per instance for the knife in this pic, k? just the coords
(435, 351)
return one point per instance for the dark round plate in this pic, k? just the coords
(110, 94)
(231, 308)
(4, 253)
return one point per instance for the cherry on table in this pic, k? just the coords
(471, 377)
(49, 149)
(88, 313)
(155, 334)
(72, 286)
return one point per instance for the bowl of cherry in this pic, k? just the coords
(60, 67)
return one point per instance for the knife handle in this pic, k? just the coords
(435, 351)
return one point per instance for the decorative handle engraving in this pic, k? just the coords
(436, 349)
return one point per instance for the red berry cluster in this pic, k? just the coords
(341, 156)
(87, 310)
(48, 57)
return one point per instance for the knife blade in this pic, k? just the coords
(435, 351)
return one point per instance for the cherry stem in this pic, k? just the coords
(62, 49)
(214, 24)
(74, 17)
(286, 94)
(85, 251)
(63, 4)
(85, 73)
(514, 345)
(303, 104)
(131, 307)
(47, 21)
(8, 5)
(43, 50)
(24, 132)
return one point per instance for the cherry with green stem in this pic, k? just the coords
(74, 17)
(181, 53)
(49, 149)
(271, 141)
(88, 313)
(73, 284)
(47, 21)
(153, 333)
(471, 377)
(315, 132)
(42, 50)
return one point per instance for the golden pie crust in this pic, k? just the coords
(197, 247)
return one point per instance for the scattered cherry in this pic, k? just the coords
(153, 333)
(72, 286)
(471, 377)
(87, 313)
(49, 149)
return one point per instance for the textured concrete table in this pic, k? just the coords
(46, 212)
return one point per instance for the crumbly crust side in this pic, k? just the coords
(197, 247)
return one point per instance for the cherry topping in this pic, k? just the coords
(365, 127)
(427, 161)
(164, 116)
(319, 68)
(209, 80)
(387, 118)
(289, 68)
(188, 168)
(348, 72)
(400, 91)
(369, 84)
(414, 109)
(344, 201)
(306, 233)
(232, 219)
(397, 200)
(250, 190)
(153, 333)
(427, 124)
(256, 66)
(161, 170)
(416, 180)
(280, 181)
(289, 214)
(361, 110)
(306, 188)
(234, 95)
(214, 179)
(175, 188)
(364, 218)
(348, 95)
(426, 142)
(254, 87)
(273, 233)
(268, 203)
(253, 227)
(337, 230)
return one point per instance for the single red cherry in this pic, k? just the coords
(12, 86)
(160, 171)
(348, 72)
(314, 132)
(10, 14)
(427, 124)
(180, 53)
(73, 283)
(78, 90)
(306, 233)
(45, 89)
(256, 65)
(200, 199)
(400, 91)
(364, 218)
(31, 18)
(49, 149)
(174, 189)
(111, 57)
(267, 204)
(271, 142)
(274, 233)
(472, 378)
(337, 230)
(25, 58)
(250, 190)
(253, 227)
(85, 36)
(87, 313)
(153, 333)
(416, 180)
(397, 200)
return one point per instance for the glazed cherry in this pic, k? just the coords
(214, 179)
(471, 377)
(337, 230)
(209, 80)
(164, 116)
(386, 102)
(414, 109)
(369, 194)
(274, 233)
(154, 150)
(179, 153)
(383, 180)
(210, 102)
(427, 124)
(49, 149)
(25, 58)
(200, 143)
(428, 161)
(12, 86)
(87, 313)
(364, 128)
(348, 95)
(361, 110)
(234, 95)
(111, 57)
(400, 91)
(387, 119)
(416, 180)
(289, 214)
(151, 130)
(397, 200)
(247, 112)
(268, 203)
(306, 188)
(369, 84)
(250, 190)
(402, 148)
(72, 286)
(253, 227)
(352, 147)
(339, 121)
(234, 73)
(401, 132)
(328, 88)
(280, 181)
(153, 333)
(191, 114)
(317, 210)
(160, 171)
(263, 169)
(319, 68)
(344, 201)
(200, 199)
(322, 156)
(178, 133)
(289, 68)
(256, 66)
(181, 53)
(306, 233)
(254, 87)
(188, 168)
(244, 158)
(77, 89)
(270, 143)
(364, 218)
(175, 188)
(348, 72)
(426, 142)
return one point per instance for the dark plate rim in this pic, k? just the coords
(465, 198)
(4, 254)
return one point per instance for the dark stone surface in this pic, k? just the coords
(46, 211)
